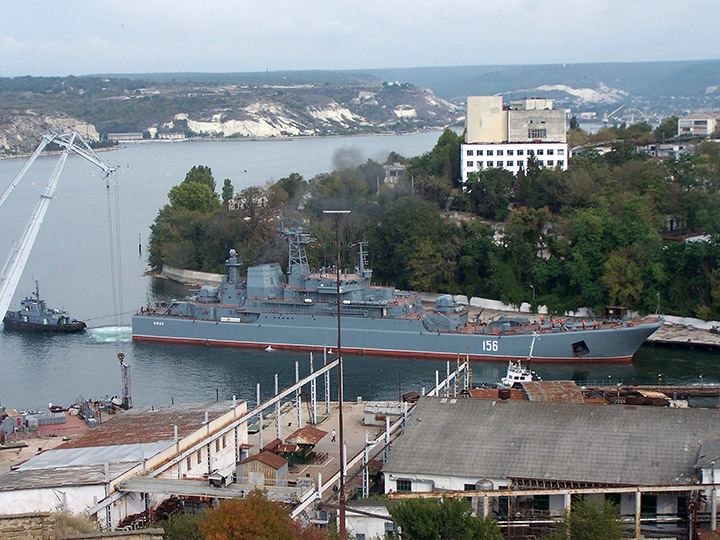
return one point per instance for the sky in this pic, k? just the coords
(43, 38)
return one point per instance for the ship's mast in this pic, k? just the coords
(364, 269)
(298, 267)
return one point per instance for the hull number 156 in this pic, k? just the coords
(490, 346)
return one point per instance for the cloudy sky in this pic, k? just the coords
(39, 37)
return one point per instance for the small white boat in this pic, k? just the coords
(269, 348)
(517, 374)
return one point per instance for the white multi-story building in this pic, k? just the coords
(504, 137)
(698, 124)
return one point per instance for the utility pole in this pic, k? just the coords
(341, 438)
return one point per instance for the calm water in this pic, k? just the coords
(71, 262)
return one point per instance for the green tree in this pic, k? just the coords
(588, 520)
(447, 519)
(183, 527)
(227, 191)
(574, 124)
(667, 128)
(491, 192)
(201, 174)
(193, 196)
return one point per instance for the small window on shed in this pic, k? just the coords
(188, 463)
(404, 485)
(198, 455)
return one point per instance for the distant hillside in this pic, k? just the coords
(659, 87)
(655, 88)
(263, 105)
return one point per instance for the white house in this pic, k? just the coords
(699, 124)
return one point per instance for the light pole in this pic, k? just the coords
(341, 438)
(533, 290)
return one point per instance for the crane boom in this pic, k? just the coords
(13, 269)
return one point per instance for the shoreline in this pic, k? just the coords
(119, 146)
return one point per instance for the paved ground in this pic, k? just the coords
(354, 434)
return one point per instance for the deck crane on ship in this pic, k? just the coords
(69, 142)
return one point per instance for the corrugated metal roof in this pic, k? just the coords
(553, 391)
(608, 444)
(151, 424)
(71, 457)
(84, 475)
(306, 435)
(268, 458)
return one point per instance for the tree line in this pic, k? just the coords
(610, 230)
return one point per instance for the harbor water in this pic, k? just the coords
(71, 261)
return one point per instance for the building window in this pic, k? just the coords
(541, 503)
(510, 152)
(499, 152)
(531, 152)
(188, 463)
(404, 485)
(469, 163)
(489, 163)
(550, 162)
(521, 152)
(537, 133)
(479, 152)
(469, 152)
(224, 441)
(510, 163)
(550, 152)
(540, 152)
(489, 152)
(561, 151)
(470, 487)
(561, 162)
(198, 454)
(499, 163)
(217, 445)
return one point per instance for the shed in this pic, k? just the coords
(263, 469)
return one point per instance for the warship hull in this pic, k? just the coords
(395, 337)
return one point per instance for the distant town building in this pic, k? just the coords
(499, 136)
(124, 137)
(699, 124)
(171, 136)
(661, 151)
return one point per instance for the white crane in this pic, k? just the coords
(13, 269)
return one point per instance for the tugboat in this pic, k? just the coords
(35, 316)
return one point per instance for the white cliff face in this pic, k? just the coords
(601, 94)
(335, 113)
(21, 132)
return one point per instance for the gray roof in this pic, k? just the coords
(83, 475)
(573, 442)
(709, 453)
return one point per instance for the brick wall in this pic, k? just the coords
(38, 526)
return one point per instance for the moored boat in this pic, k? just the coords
(299, 312)
(35, 316)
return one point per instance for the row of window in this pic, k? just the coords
(520, 152)
(198, 455)
(511, 163)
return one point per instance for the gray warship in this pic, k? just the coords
(268, 309)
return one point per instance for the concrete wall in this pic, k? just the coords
(191, 277)
(521, 121)
(28, 501)
(485, 120)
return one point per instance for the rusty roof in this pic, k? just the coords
(553, 391)
(151, 424)
(306, 435)
(492, 393)
(268, 458)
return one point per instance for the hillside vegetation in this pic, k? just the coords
(593, 235)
